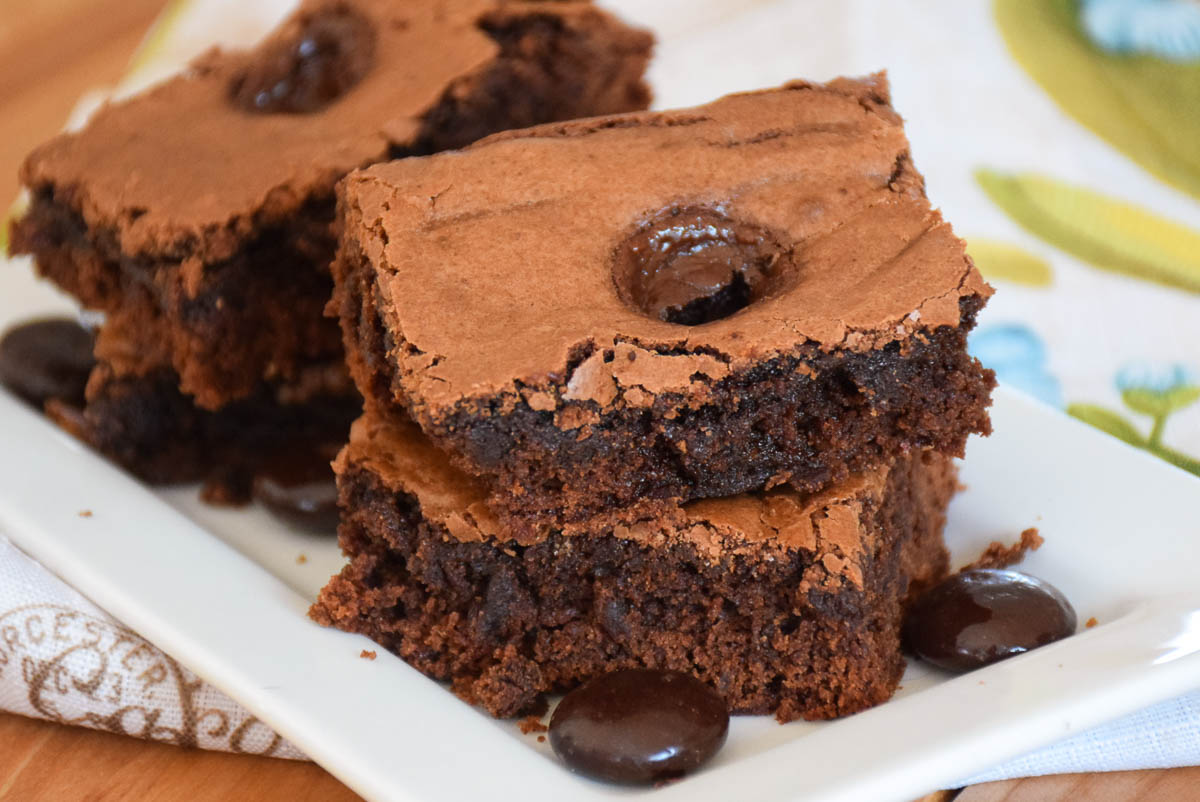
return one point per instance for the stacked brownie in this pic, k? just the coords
(677, 390)
(197, 216)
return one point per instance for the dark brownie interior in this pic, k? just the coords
(257, 315)
(546, 71)
(145, 424)
(772, 629)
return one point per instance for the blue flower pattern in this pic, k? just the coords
(1169, 29)
(1018, 356)
(1160, 379)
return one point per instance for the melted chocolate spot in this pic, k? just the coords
(298, 485)
(332, 50)
(980, 617)
(639, 726)
(47, 359)
(694, 265)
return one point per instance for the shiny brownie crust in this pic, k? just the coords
(505, 623)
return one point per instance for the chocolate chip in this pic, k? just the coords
(694, 265)
(303, 71)
(299, 486)
(45, 359)
(639, 726)
(979, 617)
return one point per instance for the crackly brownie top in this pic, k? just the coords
(829, 525)
(245, 138)
(655, 252)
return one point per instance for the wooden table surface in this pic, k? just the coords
(51, 51)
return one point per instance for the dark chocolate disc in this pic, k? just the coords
(639, 726)
(45, 359)
(979, 617)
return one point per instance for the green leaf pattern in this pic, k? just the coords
(999, 261)
(1146, 107)
(1156, 399)
(1108, 421)
(1104, 232)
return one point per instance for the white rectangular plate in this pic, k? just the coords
(221, 591)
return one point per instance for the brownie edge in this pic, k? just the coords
(793, 614)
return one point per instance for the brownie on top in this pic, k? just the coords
(623, 313)
(786, 603)
(200, 210)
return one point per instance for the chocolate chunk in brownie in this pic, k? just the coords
(785, 603)
(630, 311)
(202, 208)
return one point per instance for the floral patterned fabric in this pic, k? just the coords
(1143, 358)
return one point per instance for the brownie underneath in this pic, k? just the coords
(146, 425)
(786, 604)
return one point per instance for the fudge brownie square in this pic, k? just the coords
(202, 208)
(786, 603)
(631, 311)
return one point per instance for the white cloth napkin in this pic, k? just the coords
(64, 659)
(973, 109)
(1164, 736)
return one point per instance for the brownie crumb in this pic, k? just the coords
(368, 654)
(1091, 622)
(508, 688)
(85, 513)
(997, 555)
(532, 724)
(541, 739)
(301, 559)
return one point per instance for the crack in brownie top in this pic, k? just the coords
(827, 524)
(197, 165)
(653, 253)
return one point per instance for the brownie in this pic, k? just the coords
(632, 311)
(136, 414)
(786, 603)
(147, 425)
(202, 208)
